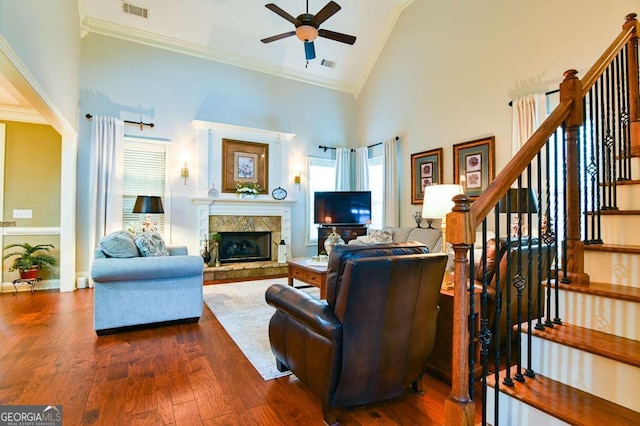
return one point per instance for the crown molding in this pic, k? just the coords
(101, 27)
(21, 114)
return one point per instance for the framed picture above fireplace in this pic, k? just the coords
(244, 162)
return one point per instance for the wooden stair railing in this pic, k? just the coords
(465, 217)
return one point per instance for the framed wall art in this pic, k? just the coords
(474, 165)
(426, 170)
(244, 162)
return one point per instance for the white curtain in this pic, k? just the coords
(343, 169)
(527, 114)
(105, 178)
(362, 169)
(391, 214)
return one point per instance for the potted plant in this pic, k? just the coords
(29, 259)
(248, 189)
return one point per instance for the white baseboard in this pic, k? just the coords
(7, 287)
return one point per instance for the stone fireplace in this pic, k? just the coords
(240, 232)
(236, 215)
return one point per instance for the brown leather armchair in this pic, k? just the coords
(372, 336)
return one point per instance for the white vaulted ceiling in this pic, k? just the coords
(229, 31)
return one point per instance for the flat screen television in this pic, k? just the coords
(342, 207)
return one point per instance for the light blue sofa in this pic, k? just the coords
(137, 291)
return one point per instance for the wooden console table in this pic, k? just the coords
(309, 273)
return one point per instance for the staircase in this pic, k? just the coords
(578, 362)
(587, 370)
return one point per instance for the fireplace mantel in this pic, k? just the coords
(233, 206)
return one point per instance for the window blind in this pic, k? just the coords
(144, 173)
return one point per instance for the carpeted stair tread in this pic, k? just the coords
(567, 403)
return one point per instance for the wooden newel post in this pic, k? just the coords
(634, 91)
(459, 408)
(571, 88)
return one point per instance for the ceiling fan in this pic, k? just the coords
(308, 27)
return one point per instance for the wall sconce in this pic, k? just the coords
(184, 173)
(296, 180)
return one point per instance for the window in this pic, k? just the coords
(321, 176)
(376, 186)
(144, 173)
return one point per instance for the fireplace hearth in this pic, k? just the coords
(245, 246)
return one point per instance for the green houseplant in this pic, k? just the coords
(29, 259)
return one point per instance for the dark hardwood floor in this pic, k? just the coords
(189, 374)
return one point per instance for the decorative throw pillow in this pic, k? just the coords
(119, 244)
(378, 236)
(151, 244)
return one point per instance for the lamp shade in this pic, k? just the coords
(306, 33)
(148, 204)
(438, 200)
(528, 201)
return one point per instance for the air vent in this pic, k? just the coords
(132, 9)
(328, 63)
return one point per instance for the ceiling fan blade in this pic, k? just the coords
(332, 35)
(278, 37)
(275, 9)
(325, 13)
(309, 50)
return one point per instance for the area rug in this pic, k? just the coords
(241, 309)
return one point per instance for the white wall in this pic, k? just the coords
(137, 82)
(45, 35)
(449, 70)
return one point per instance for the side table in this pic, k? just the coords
(439, 363)
(308, 272)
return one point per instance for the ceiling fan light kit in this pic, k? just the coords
(308, 27)
(306, 33)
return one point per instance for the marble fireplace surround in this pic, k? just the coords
(272, 224)
(237, 214)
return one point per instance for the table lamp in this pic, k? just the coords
(438, 202)
(528, 204)
(148, 204)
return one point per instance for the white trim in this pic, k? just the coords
(7, 287)
(21, 114)
(26, 230)
(230, 128)
(19, 77)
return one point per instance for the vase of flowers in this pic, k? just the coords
(248, 190)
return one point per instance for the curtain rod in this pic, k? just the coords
(550, 92)
(325, 148)
(137, 123)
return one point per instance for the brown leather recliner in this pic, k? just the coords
(509, 268)
(372, 336)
